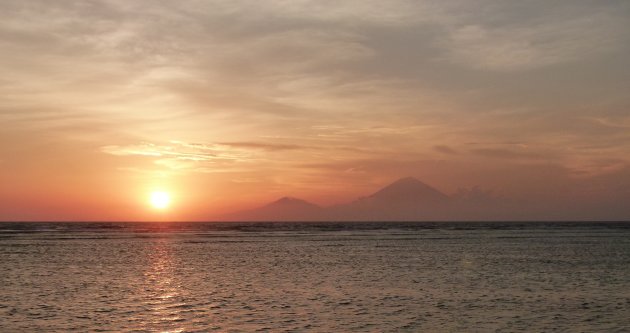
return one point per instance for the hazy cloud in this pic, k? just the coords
(536, 42)
(182, 156)
(444, 149)
(262, 145)
(362, 89)
(506, 153)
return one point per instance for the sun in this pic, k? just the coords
(160, 199)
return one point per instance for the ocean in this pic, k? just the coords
(315, 277)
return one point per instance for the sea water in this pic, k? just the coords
(315, 277)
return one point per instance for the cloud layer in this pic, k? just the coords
(317, 98)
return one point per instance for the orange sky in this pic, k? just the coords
(230, 104)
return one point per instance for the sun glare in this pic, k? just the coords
(160, 200)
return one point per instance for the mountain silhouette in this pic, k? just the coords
(407, 199)
(283, 209)
(409, 189)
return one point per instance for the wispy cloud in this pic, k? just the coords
(506, 153)
(262, 145)
(178, 151)
(612, 122)
(564, 33)
(358, 90)
(444, 149)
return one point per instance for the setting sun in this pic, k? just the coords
(160, 200)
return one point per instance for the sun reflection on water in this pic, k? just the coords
(162, 290)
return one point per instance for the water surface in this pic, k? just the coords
(315, 277)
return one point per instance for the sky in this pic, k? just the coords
(226, 105)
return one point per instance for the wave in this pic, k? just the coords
(8, 228)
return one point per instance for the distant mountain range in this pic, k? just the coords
(407, 199)
(284, 209)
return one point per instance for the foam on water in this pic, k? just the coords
(363, 277)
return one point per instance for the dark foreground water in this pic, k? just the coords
(306, 277)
